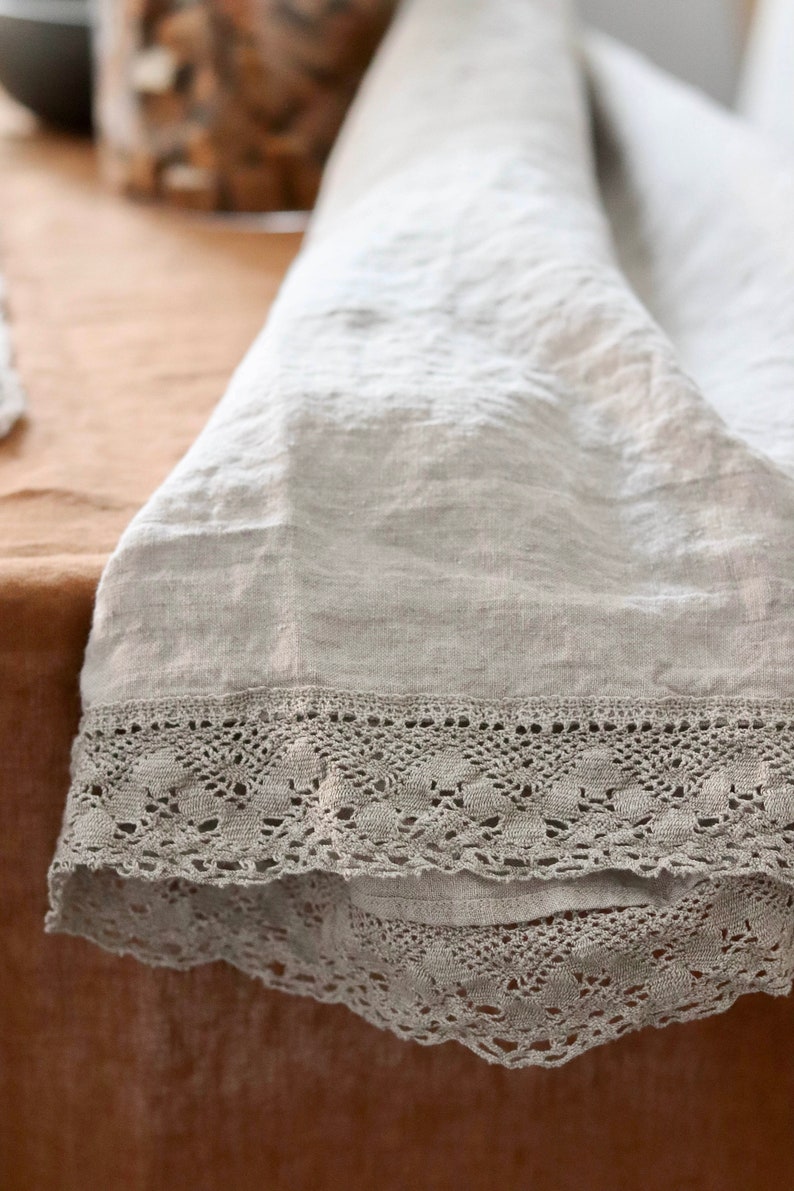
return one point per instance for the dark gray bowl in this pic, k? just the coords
(45, 58)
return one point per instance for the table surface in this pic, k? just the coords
(127, 322)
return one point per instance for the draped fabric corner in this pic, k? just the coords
(12, 400)
(449, 675)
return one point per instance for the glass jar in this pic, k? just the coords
(228, 105)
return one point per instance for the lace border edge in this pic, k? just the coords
(271, 782)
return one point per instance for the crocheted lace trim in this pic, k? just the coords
(199, 829)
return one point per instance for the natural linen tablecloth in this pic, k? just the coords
(449, 674)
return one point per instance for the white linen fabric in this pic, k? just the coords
(449, 675)
(12, 398)
(766, 86)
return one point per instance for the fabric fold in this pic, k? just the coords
(448, 676)
(12, 398)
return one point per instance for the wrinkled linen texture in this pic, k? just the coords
(449, 675)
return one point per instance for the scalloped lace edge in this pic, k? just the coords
(229, 828)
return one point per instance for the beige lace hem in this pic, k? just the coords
(230, 828)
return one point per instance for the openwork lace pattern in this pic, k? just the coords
(199, 829)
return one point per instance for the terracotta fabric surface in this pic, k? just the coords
(127, 323)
